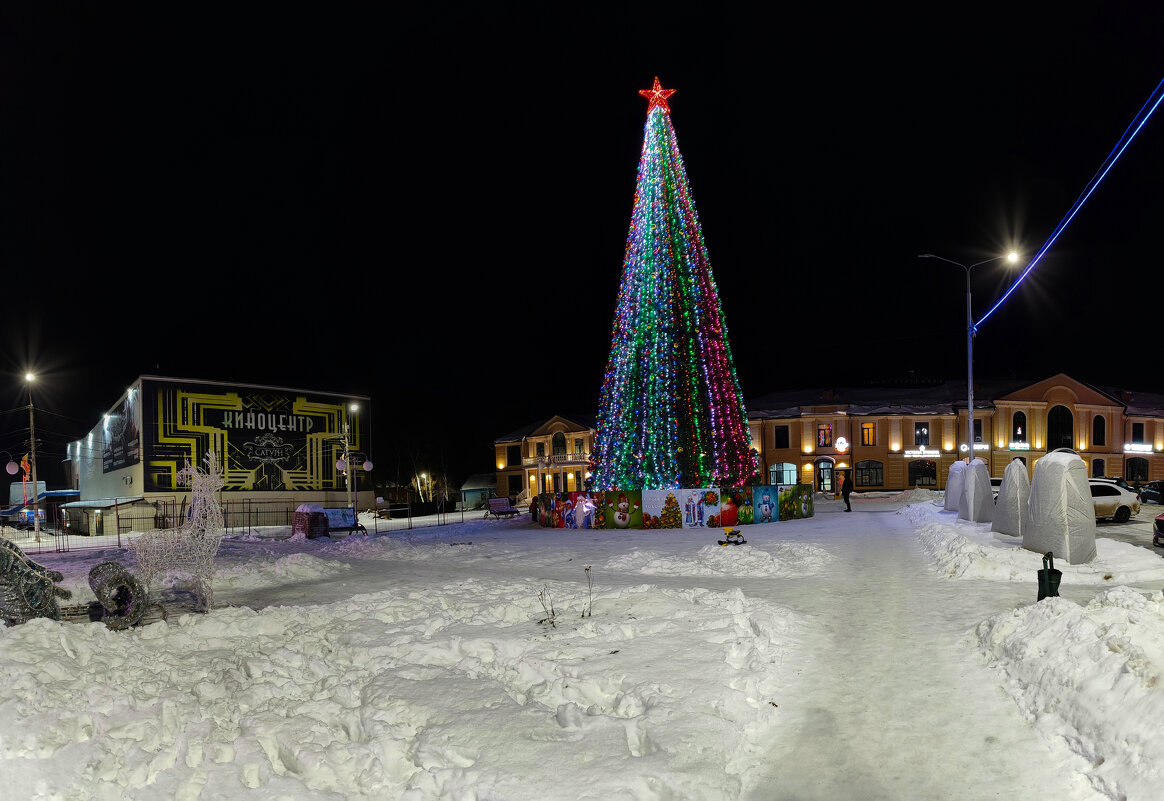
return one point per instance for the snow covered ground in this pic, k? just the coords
(892, 653)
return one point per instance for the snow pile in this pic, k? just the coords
(262, 572)
(780, 559)
(1085, 674)
(970, 550)
(456, 691)
(1091, 674)
(462, 662)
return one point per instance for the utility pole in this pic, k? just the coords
(29, 377)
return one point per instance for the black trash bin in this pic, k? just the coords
(1049, 577)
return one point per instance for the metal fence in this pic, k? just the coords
(242, 518)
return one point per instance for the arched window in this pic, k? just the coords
(1018, 427)
(559, 444)
(782, 473)
(869, 474)
(1137, 469)
(1060, 428)
(923, 473)
(1098, 431)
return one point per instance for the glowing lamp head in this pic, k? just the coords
(341, 465)
(1012, 257)
(12, 467)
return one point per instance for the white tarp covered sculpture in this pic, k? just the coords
(954, 486)
(976, 502)
(1060, 513)
(1010, 511)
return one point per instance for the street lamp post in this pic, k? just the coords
(28, 379)
(344, 464)
(1011, 257)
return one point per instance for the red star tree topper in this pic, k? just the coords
(658, 96)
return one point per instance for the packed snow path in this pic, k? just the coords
(839, 657)
(891, 699)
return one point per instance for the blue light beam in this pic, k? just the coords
(1112, 158)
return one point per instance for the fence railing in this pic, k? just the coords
(242, 518)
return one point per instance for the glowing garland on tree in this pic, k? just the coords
(671, 413)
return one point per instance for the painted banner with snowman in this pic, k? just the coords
(692, 508)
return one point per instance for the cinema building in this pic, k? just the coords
(278, 448)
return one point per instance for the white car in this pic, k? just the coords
(1113, 501)
(995, 486)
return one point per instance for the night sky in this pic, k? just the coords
(430, 207)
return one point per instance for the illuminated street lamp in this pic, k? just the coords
(1010, 257)
(344, 465)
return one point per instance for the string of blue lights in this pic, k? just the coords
(1134, 127)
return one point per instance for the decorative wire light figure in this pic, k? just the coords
(191, 547)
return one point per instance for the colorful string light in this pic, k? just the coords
(671, 413)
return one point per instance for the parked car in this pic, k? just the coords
(1152, 492)
(1118, 481)
(1113, 501)
(995, 483)
(1158, 531)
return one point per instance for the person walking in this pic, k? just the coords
(847, 490)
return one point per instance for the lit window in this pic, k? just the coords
(921, 434)
(1018, 427)
(868, 434)
(782, 473)
(923, 473)
(824, 435)
(1137, 469)
(870, 474)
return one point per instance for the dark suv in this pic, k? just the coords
(1152, 492)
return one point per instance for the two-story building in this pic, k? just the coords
(550, 456)
(897, 437)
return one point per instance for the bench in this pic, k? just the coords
(500, 507)
(343, 521)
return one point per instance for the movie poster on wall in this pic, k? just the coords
(620, 509)
(766, 504)
(735, 506)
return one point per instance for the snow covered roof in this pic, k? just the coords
(1138, 404)
(104, 503)
(480, 481)
(583, 421)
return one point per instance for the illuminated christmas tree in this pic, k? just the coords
(671, 413)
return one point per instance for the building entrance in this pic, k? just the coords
(824, 477)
